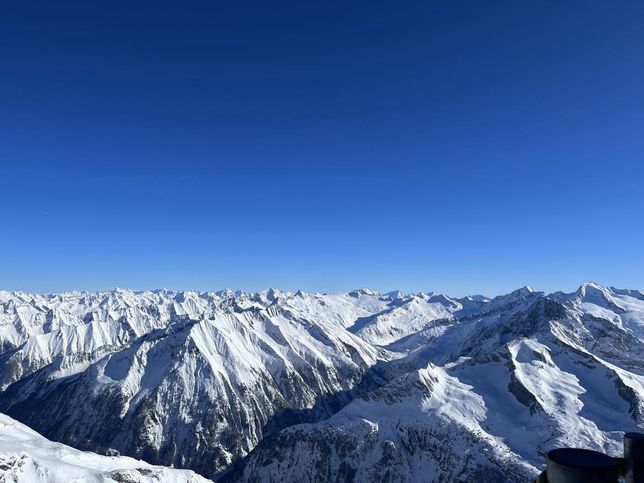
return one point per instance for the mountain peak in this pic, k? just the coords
(362, 291)
(586, 286)
(592, 290)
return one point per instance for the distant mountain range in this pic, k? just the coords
(309, 387)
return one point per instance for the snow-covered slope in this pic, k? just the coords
(485, 400)
(404, 316)
(359, 386)
(194, 380)
(423, 426)
(28, 457)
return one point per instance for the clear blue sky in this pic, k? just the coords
(465, 147)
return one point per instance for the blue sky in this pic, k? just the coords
(464, 147)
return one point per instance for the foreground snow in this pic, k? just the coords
(28, 457)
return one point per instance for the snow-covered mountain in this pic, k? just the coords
(512, 378)
(27, 457)
(193, 380)
(358, 386)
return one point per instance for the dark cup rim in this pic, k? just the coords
(634, 435)
(581, 458)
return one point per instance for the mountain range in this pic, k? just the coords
(279, 386)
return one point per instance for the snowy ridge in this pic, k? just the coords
(27, 457)
(403, 317)
(410, 430)
(360, 386)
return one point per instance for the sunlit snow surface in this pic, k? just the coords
(27, 457)
(357, 386)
